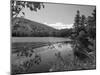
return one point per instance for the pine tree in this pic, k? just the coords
(83, 21)
(77, 22)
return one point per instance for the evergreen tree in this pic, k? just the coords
(77, 22)
(83, 22)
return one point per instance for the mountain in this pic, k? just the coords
(22, 27)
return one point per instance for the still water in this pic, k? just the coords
(47, 53)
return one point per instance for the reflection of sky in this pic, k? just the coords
(58, 14)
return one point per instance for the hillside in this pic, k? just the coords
(22, 27)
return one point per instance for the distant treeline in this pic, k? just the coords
(25, 28)
(59, 33)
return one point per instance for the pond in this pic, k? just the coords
(39, 39)
(54, 53)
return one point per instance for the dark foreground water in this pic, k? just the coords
(48, 55)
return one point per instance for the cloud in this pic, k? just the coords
(60, 25)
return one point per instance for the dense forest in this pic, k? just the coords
(84, 37)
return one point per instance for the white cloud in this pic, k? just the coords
(59, 25)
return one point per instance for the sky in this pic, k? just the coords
(59, 16)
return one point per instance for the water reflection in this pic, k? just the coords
(48, 58)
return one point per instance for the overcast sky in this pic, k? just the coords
(58, 16)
